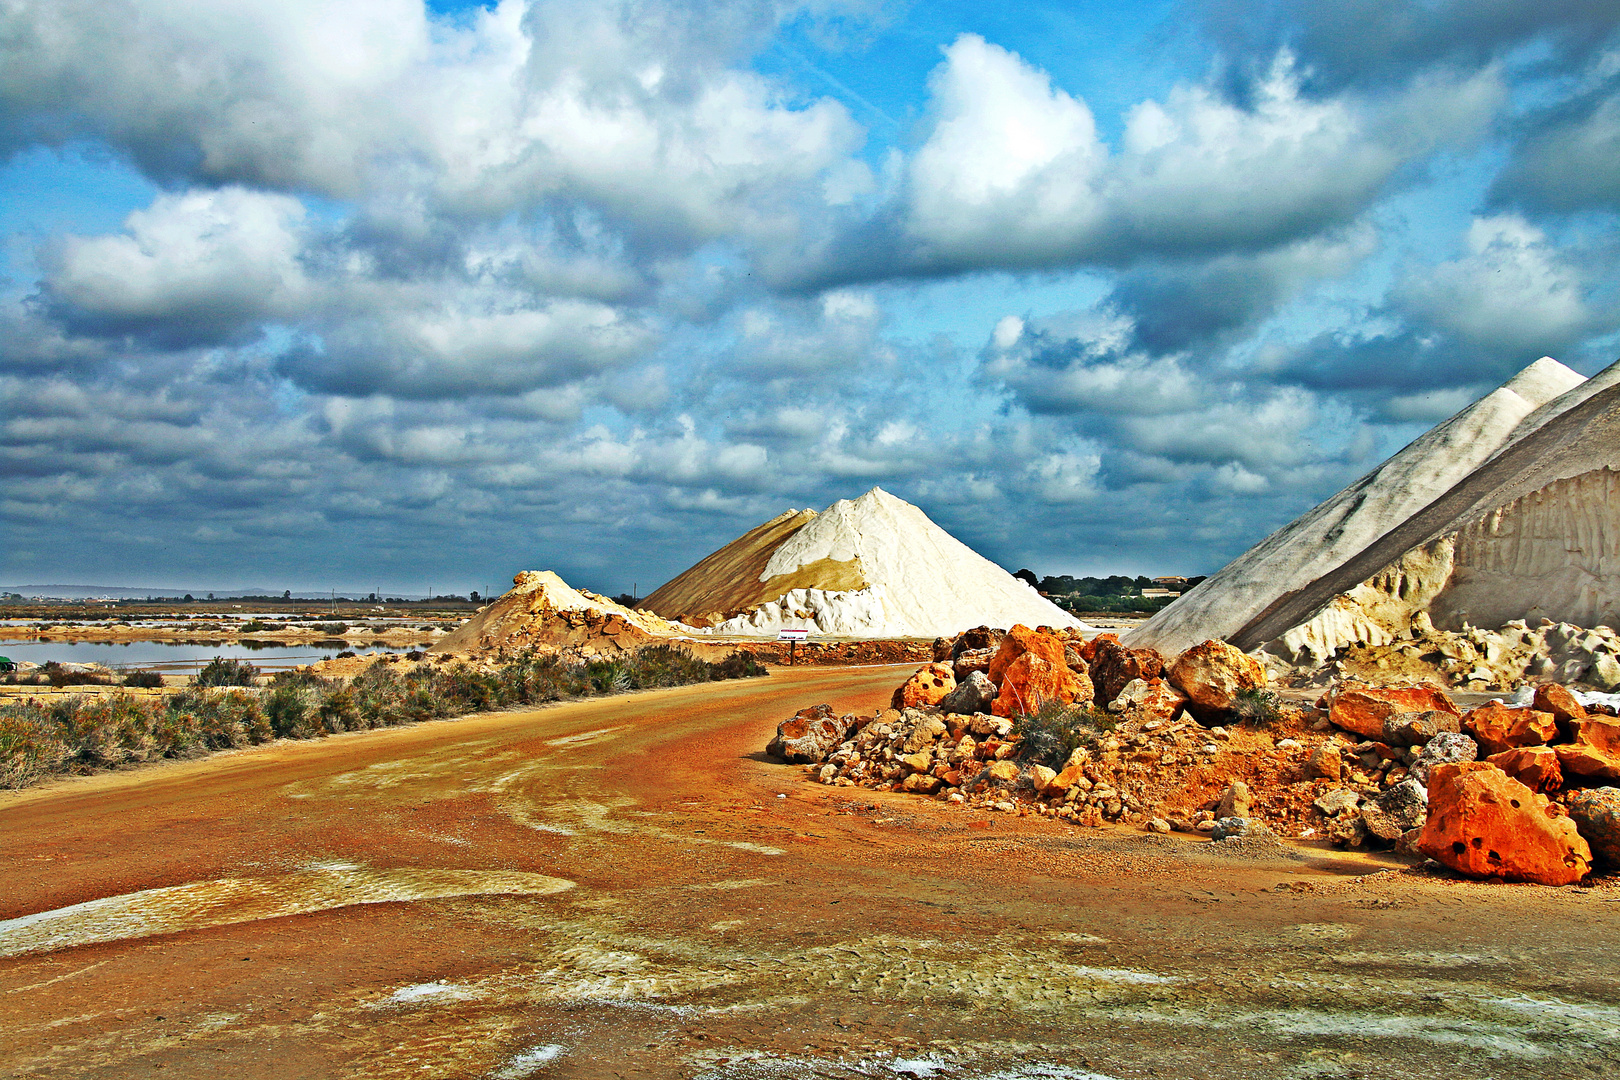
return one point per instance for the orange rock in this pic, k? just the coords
(1536, 767)
(1020, 640)
(921, 784)
(1484, 823)
(1088, 650)
(1364, 709)
(1112, 666)
(1031, 680)
(1497, 728)
(1550, 697)
(1595, 750)
(1066, 779)
(1212, 674)
(932, 682)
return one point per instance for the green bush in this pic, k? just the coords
(1258, 708)
(145, 679)
(1052, 732)
(221, 671)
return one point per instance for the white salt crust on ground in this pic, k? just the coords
(1342, 527)
(922, 581)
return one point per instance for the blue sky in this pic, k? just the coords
(310, 296)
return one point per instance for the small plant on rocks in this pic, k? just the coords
(1258, 708)
(1052, 732)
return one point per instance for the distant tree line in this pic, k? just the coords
(1117, 592)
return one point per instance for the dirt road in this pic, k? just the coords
(625, 887)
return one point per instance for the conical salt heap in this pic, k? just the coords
(1506, 511)
(871, 567)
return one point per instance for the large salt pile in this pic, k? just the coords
(871, 567)
(1325, 538)
(1529, 531)
(1533, 533)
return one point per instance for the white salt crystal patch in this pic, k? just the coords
(521, 1065)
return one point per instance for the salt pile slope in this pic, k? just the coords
(542, 611)
(733, 579)
(1532, 533)
(1323, 539)
(871, 567)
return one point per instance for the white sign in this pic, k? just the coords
(792, 635)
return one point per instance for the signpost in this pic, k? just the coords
(792, 637)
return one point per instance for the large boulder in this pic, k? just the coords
(1020, 640)
(1556, 699)
(1536, 767)
(975, 640)
(1088, 649)
(1497, 728)
(1596, 813)
(1447, 748)
(1031, 680)
(1154, 700)
(1417, 728)
(1364, 709)
(1212, 675)
(973, 660)
(1594, 750)
(1403, 807)
(809, 735)
(931, 683)
(1112, 666)
(974, 694)
(1483, 823)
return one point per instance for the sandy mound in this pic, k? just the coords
(1332, 534)
(871, 567)
(541, 610)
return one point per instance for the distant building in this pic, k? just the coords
(1170, 582)
(1158, 592)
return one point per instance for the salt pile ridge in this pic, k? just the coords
(1326, 538)
(875, 566)
(1533, 533)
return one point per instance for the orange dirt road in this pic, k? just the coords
(618, 887)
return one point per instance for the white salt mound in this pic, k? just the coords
(1327, 537)
(1533, 533)
(917, 580)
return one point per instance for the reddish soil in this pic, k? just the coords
(715, 929)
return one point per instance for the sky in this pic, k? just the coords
(382, 295)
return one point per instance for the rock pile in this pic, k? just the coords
(1478, 660)
(1197, 746)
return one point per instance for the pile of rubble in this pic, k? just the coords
(1198, 745)
(1479, 660)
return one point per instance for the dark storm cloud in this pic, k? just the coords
(1373, 42)
(1569, 156)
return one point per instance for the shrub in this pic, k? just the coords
(346, 654)
(331, 628)
(83, 733)
(255, 625)
(1052, 732)
(146, 679)
(59, 676)
(221, 671)
(1258, 708)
